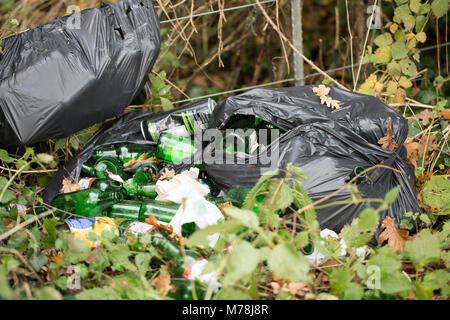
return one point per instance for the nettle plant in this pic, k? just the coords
(395, 54)
(267, 250)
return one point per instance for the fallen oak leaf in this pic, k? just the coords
(388, 142)
(426, 115)
(322, 92)
(396, 237)
(68, 186)
(167, 174)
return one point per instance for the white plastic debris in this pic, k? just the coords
(317, 258)
(195, 208)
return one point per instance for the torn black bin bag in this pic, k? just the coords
(124, 129)
(327, 144)
(75, 71)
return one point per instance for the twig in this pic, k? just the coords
(312, 205)
(364, 47)
(23, 260)
(29, 171)
(282, 36)
(24, 224)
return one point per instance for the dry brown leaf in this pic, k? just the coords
(68, 186)
(388, 142)
(445, 114)
(426, 116)
(400, 96)
(396, 237)
(92, 257)
(53, 256)
(322, 92)
(133, 161)
(167, 174)
(297, 288)
(275, 287)
(412, 149)
(162, 284)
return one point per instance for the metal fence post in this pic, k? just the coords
(297, 36)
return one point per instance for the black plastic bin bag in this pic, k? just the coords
(57, 79)
(327, 144)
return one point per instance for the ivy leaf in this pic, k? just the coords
(439, 7)
(424, 249)
(37, 260)
(286, 263)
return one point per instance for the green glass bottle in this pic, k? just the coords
(129, 210)
(101, 184)
(140, 190)
(88, 203)
(354, 173)
(173, 149)
(108, 164)
(124, 151)
(183, 290)
(88, 169)
(164, 212)
(143, 176)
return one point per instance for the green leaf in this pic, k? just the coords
(439, 7)
(420, 23)
(408, 67)
(279, 196)
(199, 237)
(48, 293)
(243, 261)
(394, 69)
(301, 240)
(105, 293)
(399, 50)
(119, 256)
(391, 280)
(383, 40)
(45, 158)
(246, 217)
(5, 157)
(230, 293)
(436, 193)
(251, 197)
(415, 6)
(37, 260)
(286, 263)
(422, 291)
(50, 228)
(143, 262)
(361, 229)
(166, 104)
(354, 291)
(391, 196)
(382, 55)
(339, 280)
(424, 249)
(436, 279)
(8, 196)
